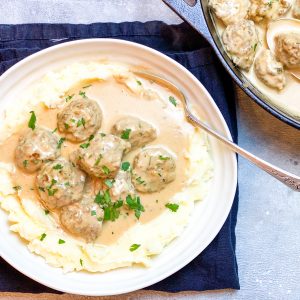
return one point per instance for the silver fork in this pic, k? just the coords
(289, 179)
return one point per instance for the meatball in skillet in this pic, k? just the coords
(36, 147)
(80, 119)
(240, 41)
(269, 70)
(59, 183)
(101, 157)
(153, 169)
(136, 131)
(287, 49)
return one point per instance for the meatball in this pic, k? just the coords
(122, 186)
(102, 156)
(137, 132)
(269, 70)
(60, 184)
(230, 11)
(268, 9)
(153, 168)
(287, 49)
(240, 41)
(83, 219)
(296, 9)
(36, 147)
(80, 119)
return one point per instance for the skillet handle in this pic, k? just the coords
(192, 12)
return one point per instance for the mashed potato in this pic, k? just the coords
(42, 231)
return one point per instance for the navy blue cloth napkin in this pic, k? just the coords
(215, 267)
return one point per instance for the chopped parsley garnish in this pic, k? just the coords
(87, 86)
(102, 134)
(43, 237)
(255, 46)
(81, 262)
(67, 183)
(134, 203)
(81, 122)
(69, 97)
(60, 142)
(67, 126)
(133, 247)
(58, 167)
(138, 82)
(25, 163)
(73, 120)
(47, 212)
(17, 188)
(82, 94)
(125, 166)
(164, 157)
(173, 100)
(60, 241)
(41, 189)
(111, 210)
(109, 183)
(85, 145)
(105, 170)
(139, 180)
(32, 120)
(93, 213)
(98, 160)
(51, 191)
(54, 130)
(91, 137)
(125, 134)
(172, 206)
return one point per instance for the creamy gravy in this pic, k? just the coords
(287, 99)
(116, 101)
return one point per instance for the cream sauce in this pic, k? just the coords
(287, 99)
(117, 101)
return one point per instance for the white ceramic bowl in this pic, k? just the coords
(209, 215)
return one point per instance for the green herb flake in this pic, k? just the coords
(60, 142)
(41, 189)
(81, 122)
(67, 126)
(58, 167)
(91, 137)
(164, 157)
(138, 82)
(60, 241)
(105, 170)
(134, 203)
(46, 212)
(32, 120)
(82, 94)
(98, 160)
(255, 46)
(139, 180)
(93, 213)
(25, 163)
(173, 100)
(81, 262)
(69, 97)
(102, 134)
(109, 183)
(87, 86)
(67, 184)
(125, 134)
(73, 120)
(125, 166)
(134, 247)
(43, 237)
(85, 145)
(172, 206)
(17, 188)
(54, 130)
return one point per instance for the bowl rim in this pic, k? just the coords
(230, 197)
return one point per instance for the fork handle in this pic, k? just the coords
(292, 181)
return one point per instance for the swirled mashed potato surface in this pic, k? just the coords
(27, 216)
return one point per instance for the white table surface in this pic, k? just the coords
(268, 236)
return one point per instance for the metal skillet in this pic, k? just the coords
(196, 13)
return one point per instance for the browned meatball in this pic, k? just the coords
(153, 168)
(136, 131)
(36, 147)
(80, 119)
(60, 184)
(287, 49)
(102, 156)
(83, 219)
